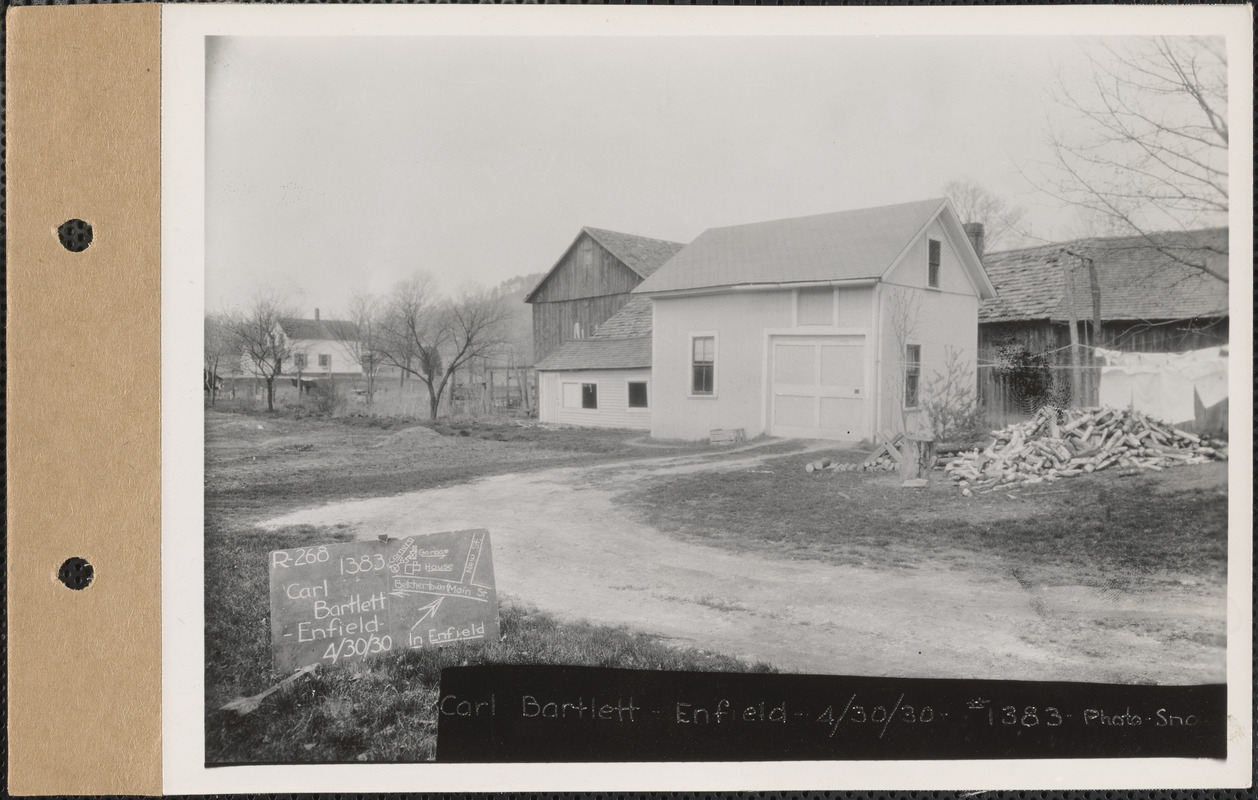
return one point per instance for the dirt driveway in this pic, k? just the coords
(561, 543)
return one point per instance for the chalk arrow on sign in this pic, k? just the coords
(429, 610)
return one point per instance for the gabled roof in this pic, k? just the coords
(641, 254)
(844, 245)
(595, 353)
(312, 329)
(1141, 278)
(632, 320)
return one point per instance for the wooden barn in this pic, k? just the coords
(589, 283)
(1145, 290)
(1150, 299)
(793, 327)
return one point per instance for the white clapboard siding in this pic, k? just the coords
(613, 399)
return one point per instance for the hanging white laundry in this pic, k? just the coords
(1163, 385)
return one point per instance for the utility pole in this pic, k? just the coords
(1094, 282)
(1068, 276)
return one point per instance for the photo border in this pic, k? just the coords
(183, 228)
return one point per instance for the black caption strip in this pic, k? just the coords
(547, 713)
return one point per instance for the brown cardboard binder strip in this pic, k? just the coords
(84, 443)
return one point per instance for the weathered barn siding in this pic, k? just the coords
(586, 270)
(1053, 339)
(1043, 336)
(556, 322)
(946, 320)
(587, 286)
(613, 399)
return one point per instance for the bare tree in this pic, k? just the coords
(903, 310)
(361, 337)
(1145, 143)
(262, 340)
(220, 348)
(975, 203)
(409, 333)
(432, 339)
(475, 325)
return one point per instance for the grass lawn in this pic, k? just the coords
(259, 465)
(1168, 526)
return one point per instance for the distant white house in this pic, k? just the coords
(321, 348)
(788, 327)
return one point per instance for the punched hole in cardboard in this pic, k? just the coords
(76, 573)
(75, 235)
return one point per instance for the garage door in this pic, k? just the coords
(818, 387)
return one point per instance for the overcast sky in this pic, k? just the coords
(341, 165)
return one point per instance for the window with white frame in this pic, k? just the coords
(589, 395)
(912, 374)
(325, 361)
(703, 365)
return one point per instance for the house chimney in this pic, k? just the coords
(974, 230)
(980, 233)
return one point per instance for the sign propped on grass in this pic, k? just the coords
(346, 602)
(726, 436)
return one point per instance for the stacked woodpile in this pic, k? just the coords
(886, 458)
(1057, 444)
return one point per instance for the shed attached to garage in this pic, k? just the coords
(603, 381)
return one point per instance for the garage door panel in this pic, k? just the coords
(842, 366)
(841, 415)
(794, 364)
(818, 387)
(795, 411)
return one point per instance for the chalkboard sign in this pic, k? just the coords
(335, 603)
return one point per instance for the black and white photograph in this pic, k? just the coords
(834, 351)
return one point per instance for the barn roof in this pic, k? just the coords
(599, 353)
(861, 243)
(1140, 277)
(641, 254)
(632, 320)
(311, 329)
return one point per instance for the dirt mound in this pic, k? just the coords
(409, 438)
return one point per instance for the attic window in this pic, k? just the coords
(932, 278)
(325, 361)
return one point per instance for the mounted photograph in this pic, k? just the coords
(755, 355)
